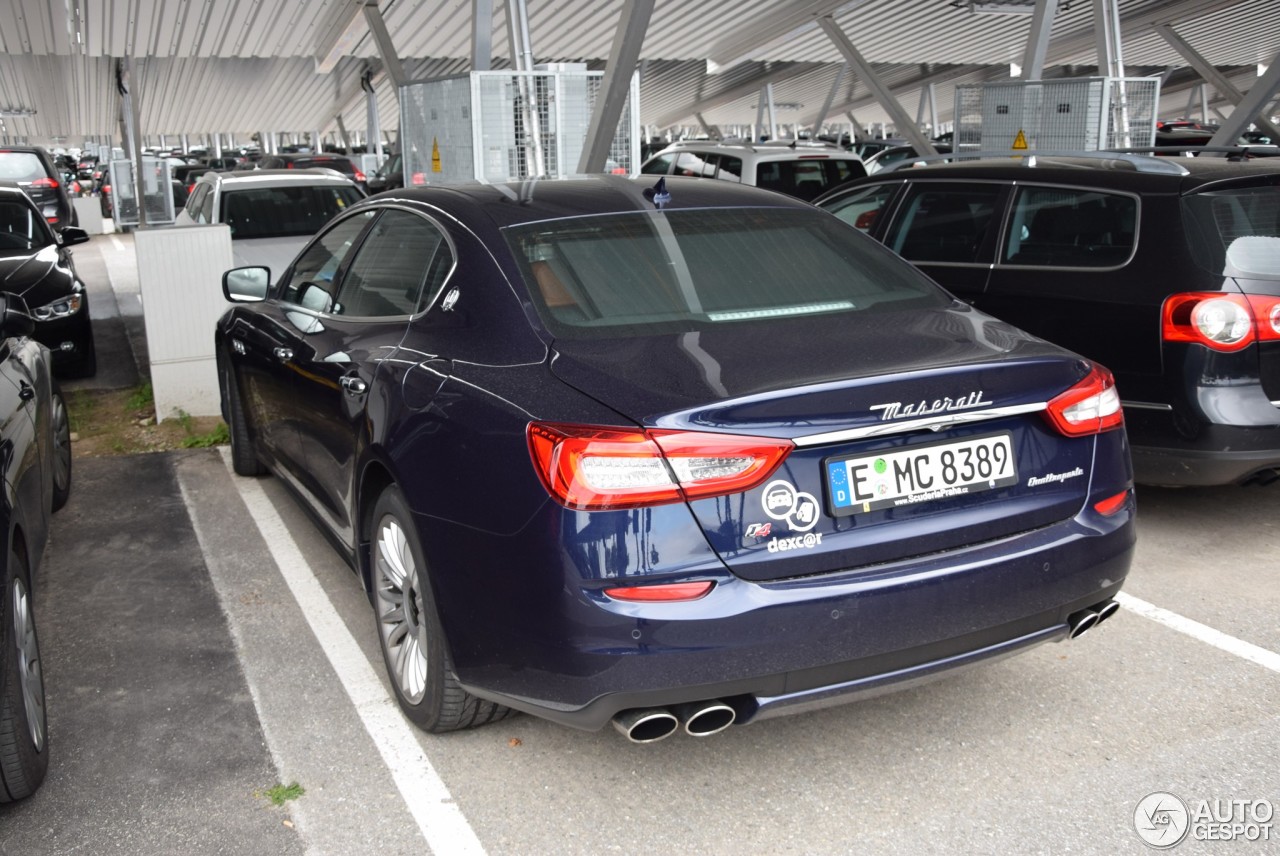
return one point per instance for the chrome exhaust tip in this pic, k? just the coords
(1107, 610)
(646, 725)
(704, 718)
(1080, 622)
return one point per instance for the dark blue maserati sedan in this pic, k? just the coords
(672, 456)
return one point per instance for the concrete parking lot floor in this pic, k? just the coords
(203, 642)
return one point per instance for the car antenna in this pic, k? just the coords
(658, 194)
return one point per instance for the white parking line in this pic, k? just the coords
(1196, 630)
(117, 243)
(442, 823)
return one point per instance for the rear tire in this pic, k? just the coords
(409, 632)
(24, 733)
(244, 457)
(61, 449)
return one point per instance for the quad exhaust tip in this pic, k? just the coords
(646, 725)
(702, 719)
(1081, 622)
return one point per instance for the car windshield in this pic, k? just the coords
(1236, 232)
(278, 212)
(670, 271)
(21, 167)
(21, 229)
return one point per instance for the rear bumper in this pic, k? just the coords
(774, 648)
(1207, 468)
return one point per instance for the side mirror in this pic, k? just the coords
(15, 317)
(73, 235)
(246, 284)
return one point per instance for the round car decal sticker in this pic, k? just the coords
(783, 502)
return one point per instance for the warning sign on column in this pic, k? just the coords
(1020, 142)
(435, 155)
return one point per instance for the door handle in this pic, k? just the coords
(26, 391)
(283, 354)
(353, 385)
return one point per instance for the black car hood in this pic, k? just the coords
(789, 375)
(18, 273)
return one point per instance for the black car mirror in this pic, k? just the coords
(15, 317)
(246, 284)
(73, 235)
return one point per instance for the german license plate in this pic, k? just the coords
(905, 477)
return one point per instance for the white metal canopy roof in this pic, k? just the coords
(243, 66)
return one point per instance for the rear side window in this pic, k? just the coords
(943, 224)
(387, 275)
(659, 165)
(806, 178)
(1069, 227)
(696, 165)
(677, 271)
(861, 209)
(196, 201)
(277, 212)
(1235, 232)
(730, 168)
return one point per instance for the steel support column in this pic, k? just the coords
(1106, 29)
(1205, 69)
(1250, 108)
(906, 127)
(1038, 39)
(616, 86)
(481, 35)
(831, 98)
(387, 50)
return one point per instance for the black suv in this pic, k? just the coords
(1166, 270)
(32, 168)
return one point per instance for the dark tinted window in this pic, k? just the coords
(21, 167)
(660, 165)
(808, 177)
(861, 209)
(21, 230)
(1066, 227)
(312, 284)
(943, 225)
(681, 270)
(387, 275)
(730, 168)
(274, 212)
(1235, 232)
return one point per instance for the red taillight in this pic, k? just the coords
(866, 219)
(419, 179)
(593, 468)
(288, 165)
(1090, 407)
(1111, 504)
(359, 175)
(1223, 322)
(662, 592)
(45, 184)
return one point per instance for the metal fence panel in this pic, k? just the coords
(506, 125)
(1088, 114)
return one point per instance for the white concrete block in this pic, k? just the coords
(89, 214)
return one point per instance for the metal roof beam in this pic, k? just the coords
(906, 127)
(1206, 70)
(741, 90)
(916, 83)
(1250, 108)
(616, 86)
(783, 20)
(390, 59)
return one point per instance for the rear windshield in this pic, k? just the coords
(21, 231)
(340, 164)
(674, 271)
(21, 166)
(279, 212)
(1235, 232)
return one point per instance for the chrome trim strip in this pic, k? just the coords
(932, 423)
(1148, 405)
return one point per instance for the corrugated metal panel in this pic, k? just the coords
(249, 65)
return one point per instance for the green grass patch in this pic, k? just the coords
(219, 436)
(281, 794)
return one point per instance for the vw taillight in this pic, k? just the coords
(1222, 322)
(45, 184)
(1090, 407)
(594, 468)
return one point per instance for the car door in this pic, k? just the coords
(21, 453)
(948, 229)
(1062, 273)
(269, 344)
(349, 365)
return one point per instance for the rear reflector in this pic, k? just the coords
(1090, 407)
(661, 593)
(594, 468)
(1111, 505)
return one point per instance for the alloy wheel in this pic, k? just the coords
(400, 610)
(30, 676)
(61, 445)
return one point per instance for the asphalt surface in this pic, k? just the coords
(202, 643)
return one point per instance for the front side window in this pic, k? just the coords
(386, 276)
(696, 165)
(943, 224)
(313, 282)
(676, 271)
(21, 229)
(1070, 227)
(861, 209)
(281, 212)
(659, 165)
